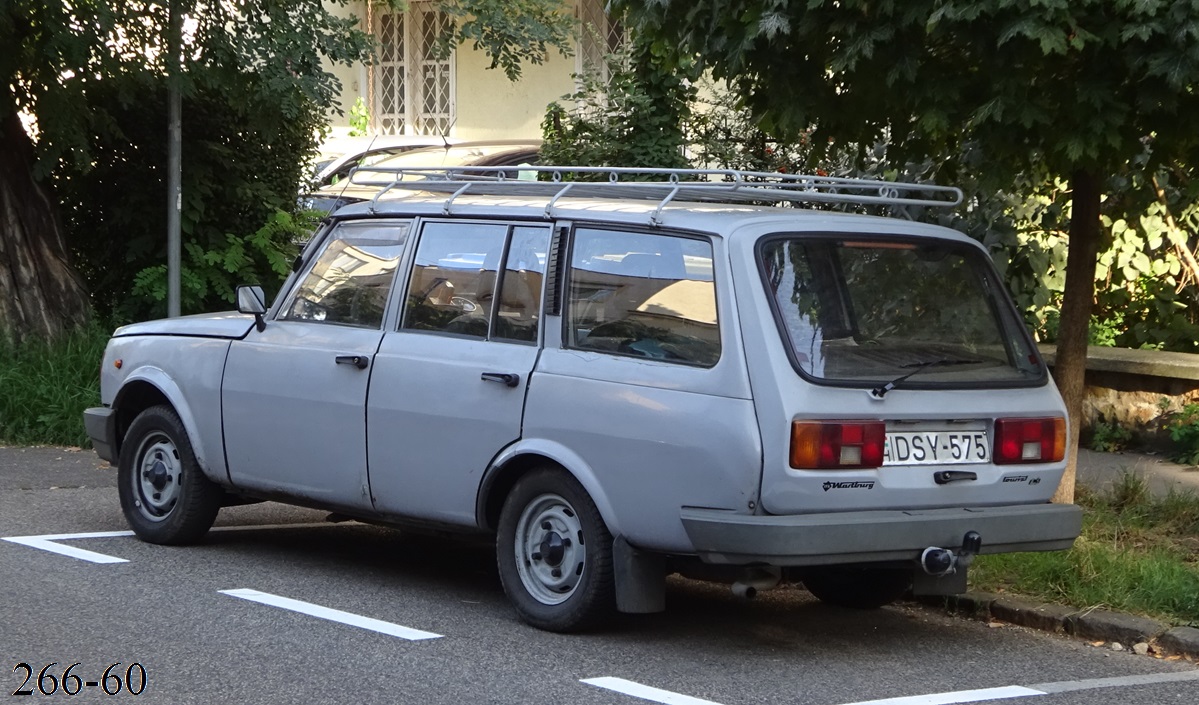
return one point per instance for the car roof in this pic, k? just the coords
(339, 146)
(499, 153)
(361, 147)
(462, 154)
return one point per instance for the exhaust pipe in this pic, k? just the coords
(757, 579)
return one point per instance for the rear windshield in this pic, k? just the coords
(870, 310)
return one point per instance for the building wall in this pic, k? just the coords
(489, 106)
(492, 107)
(353, 78)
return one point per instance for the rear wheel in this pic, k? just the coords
(859, 588)
(555, 553)
(164, 495)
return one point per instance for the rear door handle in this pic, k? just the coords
(358, 361)
(944, 477)
(508, 379)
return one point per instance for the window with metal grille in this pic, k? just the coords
(602, 34)
(413, 87)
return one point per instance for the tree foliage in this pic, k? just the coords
(1146, 294)
(511, 32)
(630, 114)
(239, 172)
(1065, 83)
(92, 75)
(66, 51)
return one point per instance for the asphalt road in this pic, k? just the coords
(166, 609)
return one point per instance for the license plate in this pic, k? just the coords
(941, 447)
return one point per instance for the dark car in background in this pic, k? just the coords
(349, 189)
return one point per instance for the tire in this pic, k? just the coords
(555, 554)
(164, 495)
(858, 588)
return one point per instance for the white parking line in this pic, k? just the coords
(48, 542)
(645, 692)
(332, 615)
(1016, 691)
(1118, 681)
(960, 696)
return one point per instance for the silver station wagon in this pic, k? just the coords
(717, 374)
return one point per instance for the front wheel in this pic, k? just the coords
(858, 588)
(555, 553)
(164, 495)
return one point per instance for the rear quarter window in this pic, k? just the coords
(644, 295)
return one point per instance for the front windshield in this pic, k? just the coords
(869, 310)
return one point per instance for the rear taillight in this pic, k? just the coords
(1029, 440)
(837, 444)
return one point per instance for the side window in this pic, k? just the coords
(519, 313)
(457, 272)
(644, 295)
(349, 281)
(452, 289)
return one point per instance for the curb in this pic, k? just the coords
(1125, 631)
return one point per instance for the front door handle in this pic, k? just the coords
(508, 379)
(358, 361)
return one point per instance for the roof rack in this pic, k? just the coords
(663, 185)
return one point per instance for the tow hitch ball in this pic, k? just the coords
(942, 561)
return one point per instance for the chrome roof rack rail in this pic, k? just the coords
(445, 207)
(549, 207)
(667, 186)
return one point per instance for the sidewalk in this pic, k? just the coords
(1100, 470)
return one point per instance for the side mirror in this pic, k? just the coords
(250, 299)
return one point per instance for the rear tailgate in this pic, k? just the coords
(885, 367)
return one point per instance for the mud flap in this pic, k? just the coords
(640, 579)
(952, 584)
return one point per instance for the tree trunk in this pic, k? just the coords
(1070, 368)
(40, 294)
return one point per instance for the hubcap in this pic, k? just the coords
(156, 484)
(550, 549)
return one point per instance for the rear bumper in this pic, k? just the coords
(101, 425)
(867, 537)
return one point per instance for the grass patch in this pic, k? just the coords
(1137, 554)
(47, 385)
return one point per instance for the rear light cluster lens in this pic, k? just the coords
(837, 444)
(1029, 440)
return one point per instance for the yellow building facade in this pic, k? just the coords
(408, 90)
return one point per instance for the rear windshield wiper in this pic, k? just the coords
(880, 392)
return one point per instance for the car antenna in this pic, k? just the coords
(350, 176)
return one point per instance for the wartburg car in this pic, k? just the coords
(619, 381)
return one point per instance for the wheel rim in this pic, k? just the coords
(158, 473)
(550, 549)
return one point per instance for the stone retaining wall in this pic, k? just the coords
(1136, 389)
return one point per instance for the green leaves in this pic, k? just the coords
(633, 116)
(1074, 83)
(255, 95)
(359, 118)
(212, 274)
(510, 31)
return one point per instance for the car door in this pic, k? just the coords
(448, 387)
(294, 393)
